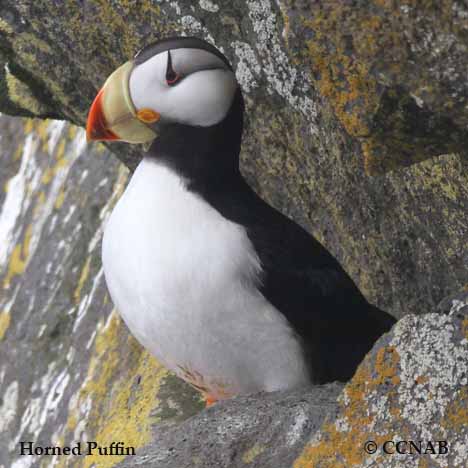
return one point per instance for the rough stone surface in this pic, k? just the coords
(266, 430)
(330, 87)
(394, 73)
(413, 386)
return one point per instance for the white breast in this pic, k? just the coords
(184, 280)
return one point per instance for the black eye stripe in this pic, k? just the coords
(171, 76)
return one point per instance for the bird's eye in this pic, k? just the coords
(172, 77)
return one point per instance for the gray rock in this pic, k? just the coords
(265, 430)
(335, 91)
(455, 302)
(413, 386)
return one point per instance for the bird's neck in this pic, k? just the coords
(203, 155)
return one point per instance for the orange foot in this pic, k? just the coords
(209, 400)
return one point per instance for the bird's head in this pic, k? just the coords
(174, 81)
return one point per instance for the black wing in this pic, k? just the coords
(307, 285)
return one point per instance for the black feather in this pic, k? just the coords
(334, 322)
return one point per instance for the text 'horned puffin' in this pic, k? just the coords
(223, 289)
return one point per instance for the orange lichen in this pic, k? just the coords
(421, 379)
(343, 79)
(456, 413)
(347, 50)
(344, 449)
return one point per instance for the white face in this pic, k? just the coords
(201, 97)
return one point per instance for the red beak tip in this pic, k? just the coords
(96, 129)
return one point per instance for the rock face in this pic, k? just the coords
(332, 89)
(356, 127)
(266, 430)
(413, 386)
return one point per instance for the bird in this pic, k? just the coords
(223, 289)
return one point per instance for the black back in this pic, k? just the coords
(335, 323)
(305, 283)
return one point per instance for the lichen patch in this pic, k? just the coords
(388, 400)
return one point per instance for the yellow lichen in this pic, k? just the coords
(122, 386)
(47, 176)
(41, 198)
(81, 282)
(72, 422)
(130, 423)
(18, 258)
(20, 93)
(18, 151)
(60, 151)
(343, 79)
(344, 449)
(344, 60)
(61, 163)
(100, 148)
(72, 130)
(60, 199)
(5, 319)
(28, 126)
(252, 453)
(5, 27)
(40, 128)
(35, 42)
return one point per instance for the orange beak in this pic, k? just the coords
(113, 116)
(96, 127)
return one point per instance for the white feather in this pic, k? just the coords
(202, 98)
(184, 280)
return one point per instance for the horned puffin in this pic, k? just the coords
(223, 289)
